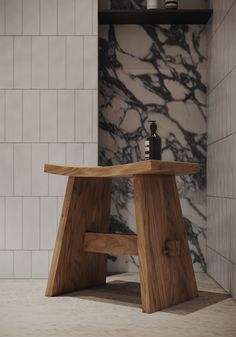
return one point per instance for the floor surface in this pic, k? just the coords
(111, 311)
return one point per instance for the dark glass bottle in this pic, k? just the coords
(153, 143)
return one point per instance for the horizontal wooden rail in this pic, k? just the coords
(120, 244)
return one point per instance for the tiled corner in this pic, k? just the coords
(48, 113)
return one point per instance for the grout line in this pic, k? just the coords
(46, 35)
(75, 17)
(54, 142)
(57, 9)
(13, 65)
(66, 80)
(31, 62)
(57, 123)
(48, 62)
(215, 251)
(22, 15)
(40, 229)
(222, 80)
(75, 119)
(223, 138)
(4, 117)
(5, 224)
(22, 116)
(4, 17)
(220, 197)
(40, 117)
(221, 22)
(40, 18)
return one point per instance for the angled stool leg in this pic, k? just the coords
(167, 277)
(86, 208)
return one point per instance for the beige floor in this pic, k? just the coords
(112, 311)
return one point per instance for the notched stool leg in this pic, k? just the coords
(86, 208)
(166, 279)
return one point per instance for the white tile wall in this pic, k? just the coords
(14, 223)
(30, 17)
(221, 173)
(22, 264)
(22, 60)
(13, 17)
(66, 116)
(22, 169)
(57, 62)
(40, 55)
(66, 17)
(48, 17)
(48, 113)
(6, 62)
(13, 126)
(6, 169)
(40, 263)
(2, 223)
(6, 263)
(74, 63)
(31, 113)
(31, 218)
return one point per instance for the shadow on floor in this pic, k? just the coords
(128, 294)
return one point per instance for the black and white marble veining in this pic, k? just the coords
(154, 72)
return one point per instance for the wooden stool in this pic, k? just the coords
(83, 239)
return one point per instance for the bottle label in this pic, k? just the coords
(147, 149)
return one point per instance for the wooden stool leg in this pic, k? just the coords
(86, 208)
(165, 279)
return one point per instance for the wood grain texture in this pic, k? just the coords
(119, 244)
(143, 167)
(86, 208)
(165, 280)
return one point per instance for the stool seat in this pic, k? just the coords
(83, 238)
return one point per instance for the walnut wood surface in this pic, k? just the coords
(119, 244)
(143, 167)
(165, 280)
(86, 208)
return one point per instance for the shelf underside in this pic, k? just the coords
(160, 16)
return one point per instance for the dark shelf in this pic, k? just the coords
(159, 16)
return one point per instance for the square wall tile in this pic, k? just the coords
(39, 264)
(57, 183)
(2, 223)
(66, 116)
(74, 62)
(13, 17)
(48, 114)
(22, 62)
(48, 17)
(6, 169)
(90, 62)
(84, 17)
(90, 154)
(22, 169)
(66, 17)
(13, 223)
(31, 218)
(57, 62)
(13, 115)
(40, 62)
(6, 264)
(6, 62)
(83, 115)
(22, 264)
(31, 104)
(48, 222)
(39, 178)
(31, 17)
